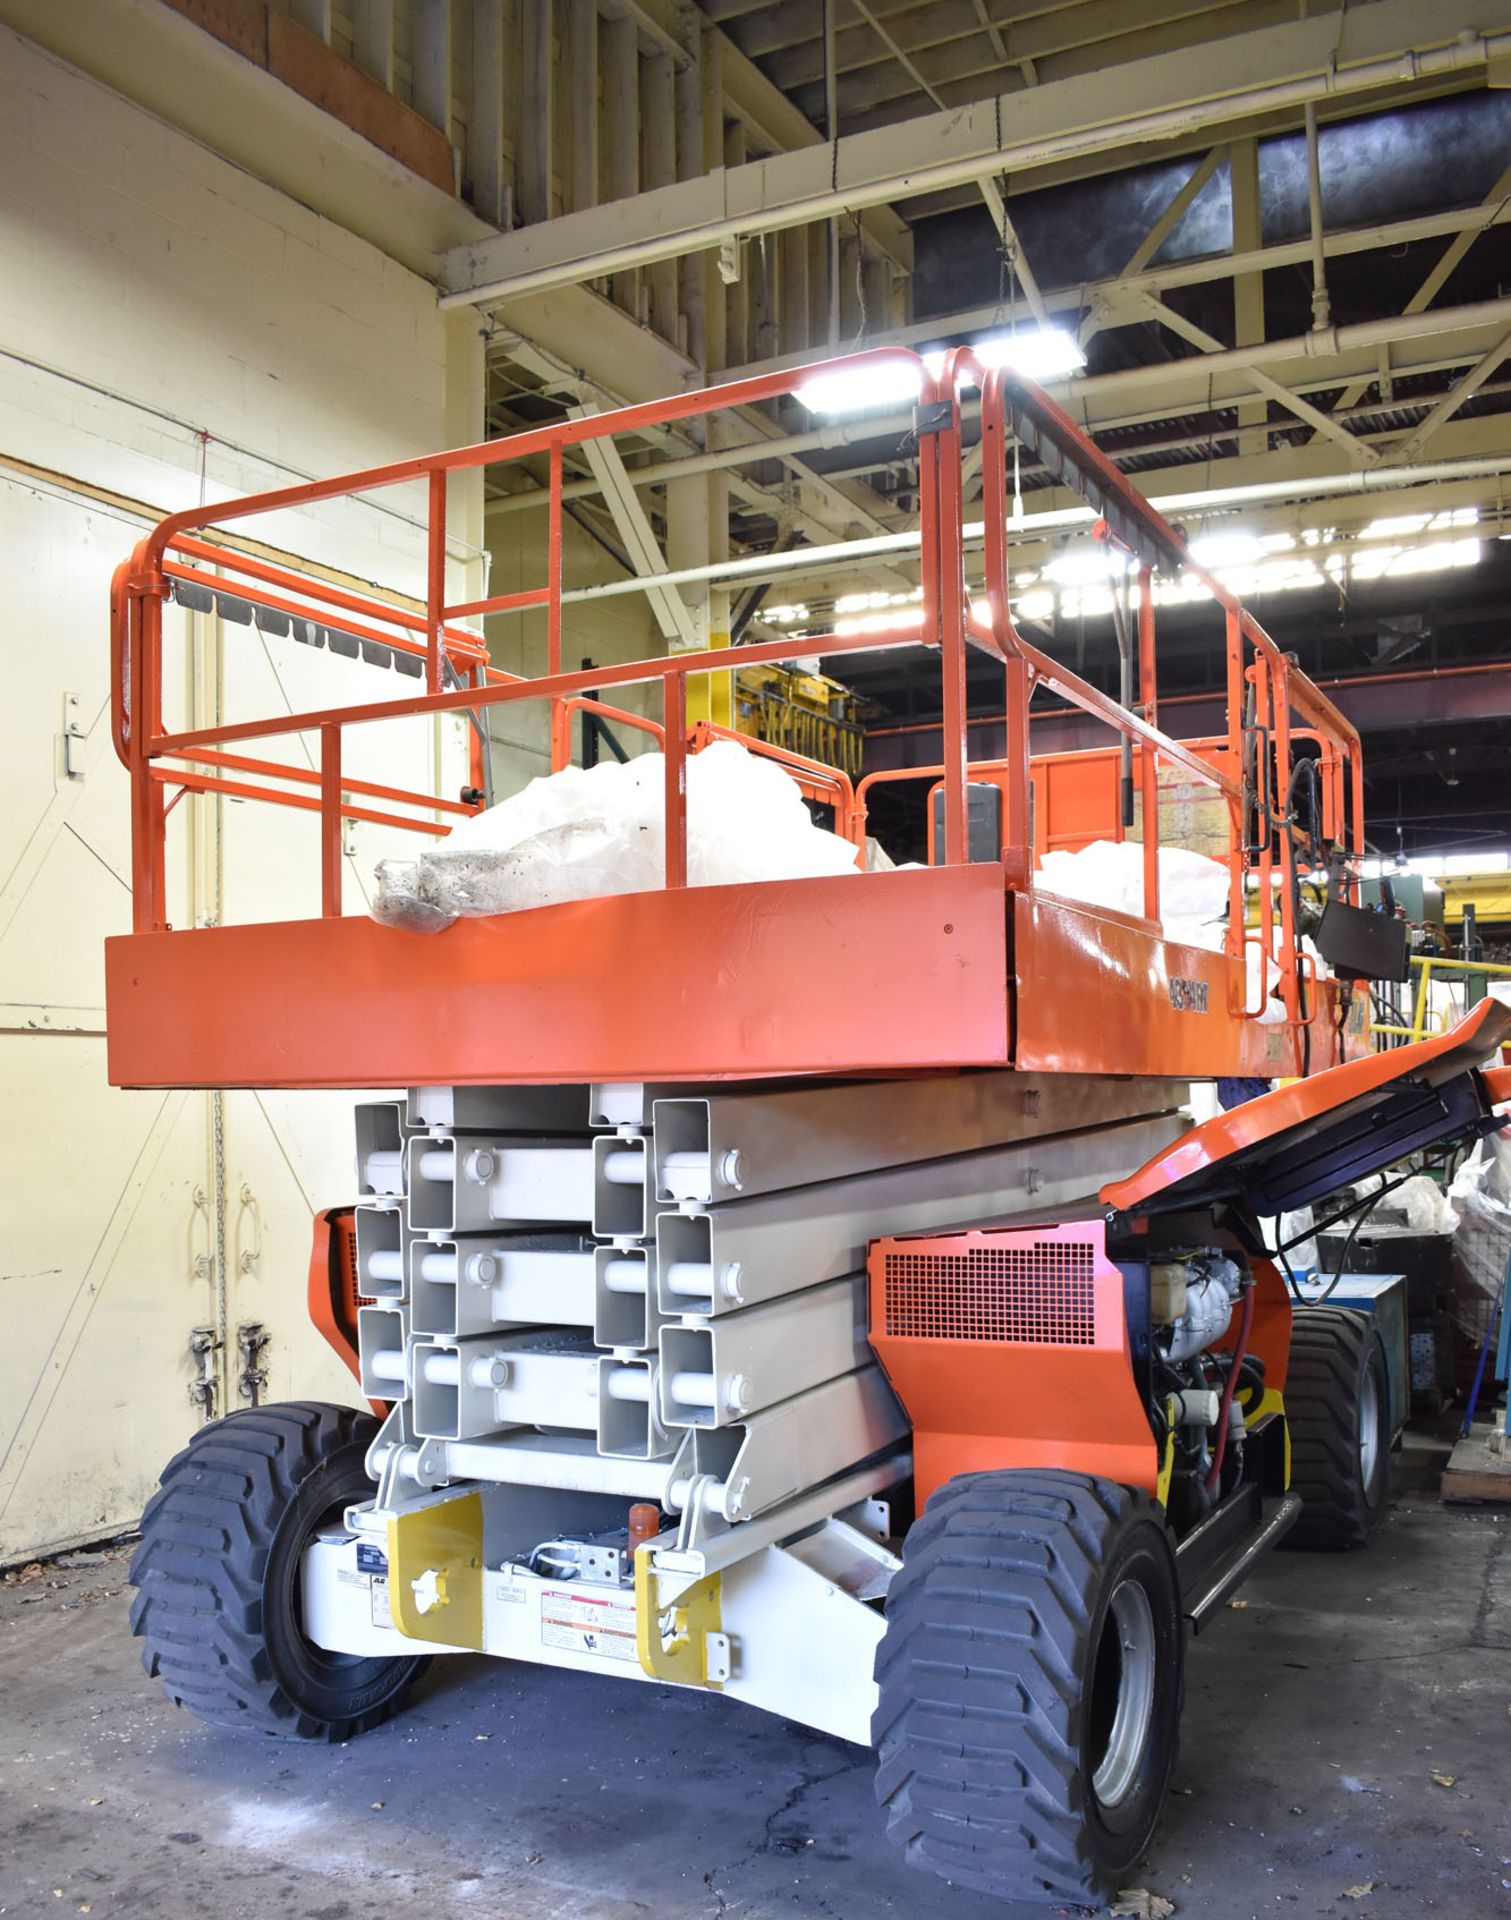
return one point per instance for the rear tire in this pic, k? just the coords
(1031, 1678)
(1337, 1405)
(217, 1575)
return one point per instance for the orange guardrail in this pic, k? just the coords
(1270, 702)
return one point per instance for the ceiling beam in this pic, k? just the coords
(1147, 100)
(776, 123)
(595, 345)
(1114, 300)
(635, 530)
(1209, 344)
(1494, 203)
(1456, 396)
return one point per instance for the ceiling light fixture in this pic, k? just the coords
(1226, 547)
(869, 389)
(1038, 353)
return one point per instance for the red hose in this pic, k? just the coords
(1241, 1347)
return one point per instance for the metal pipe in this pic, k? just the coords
(628, 1383)
(385, 1265)
(831, 131)
(625, 1275)
(695, 1389)
(842, 554)
(626, 1166)
(1321, 307)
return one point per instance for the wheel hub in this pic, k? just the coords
(1124, 1686)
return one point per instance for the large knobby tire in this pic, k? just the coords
(1337, 1405)
(217, 1575)
(1031, 1676)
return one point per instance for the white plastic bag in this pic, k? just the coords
(583, 832)
(1481, 1197)
(1193, 889)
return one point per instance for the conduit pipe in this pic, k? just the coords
(839, 555)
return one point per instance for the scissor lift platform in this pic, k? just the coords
(964, 963)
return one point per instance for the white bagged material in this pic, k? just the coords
(1299, 1227)
(1193, 889)
(588, 831)
(1481, 1198)
(1423, 1206)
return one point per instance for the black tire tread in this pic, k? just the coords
(198, 1570)
(978, 1721)
(1322, 1378)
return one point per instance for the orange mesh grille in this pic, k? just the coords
(1041, 1293)
(344, 1227)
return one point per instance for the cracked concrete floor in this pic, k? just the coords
(1317, 1714)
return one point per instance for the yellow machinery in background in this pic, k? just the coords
(806, 713)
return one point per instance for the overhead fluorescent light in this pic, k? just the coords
(1227, 547)
(1039, 353)
(1086, 566)
(869, 389)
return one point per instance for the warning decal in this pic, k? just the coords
(600, 1623)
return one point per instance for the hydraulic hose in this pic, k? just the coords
(1224, 1411)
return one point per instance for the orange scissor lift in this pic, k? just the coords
(723, 1228)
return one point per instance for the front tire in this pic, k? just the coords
(1031, 1677)
(1337, 1405)
(217, 1575)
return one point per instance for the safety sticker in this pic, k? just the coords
(588, 1623)
(382, 1612)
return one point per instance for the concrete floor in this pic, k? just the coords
(1317, 1714)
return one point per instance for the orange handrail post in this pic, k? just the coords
(943, 443)
(675, 719)
(1235, 685)
(330, 821)
(148, 848)
(560, 746)
(1017, 677)
(435, 580)
(1148, 756)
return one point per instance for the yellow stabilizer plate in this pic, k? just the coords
(672, 1642)
(435, 1572)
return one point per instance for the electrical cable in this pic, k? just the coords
(1235, 1367)
(1348, 1244)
